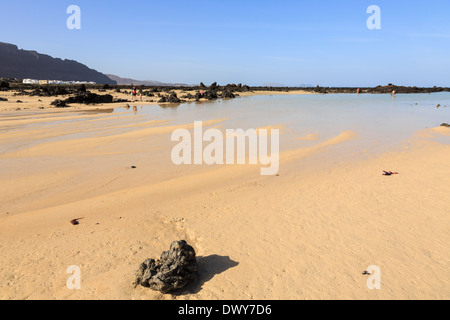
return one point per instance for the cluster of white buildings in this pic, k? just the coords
(33, 81)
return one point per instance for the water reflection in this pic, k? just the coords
(170, 105)
(97, 111)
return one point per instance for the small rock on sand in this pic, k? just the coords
(174, 270)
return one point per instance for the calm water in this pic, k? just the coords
(381, 121)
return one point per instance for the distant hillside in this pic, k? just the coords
(127, 81)
(22, 64)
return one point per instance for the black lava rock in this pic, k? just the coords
(59, 104)
(213, 86)
(172, 98)
(174, 270)
(90, 98)
(228, 94)
(210, 95)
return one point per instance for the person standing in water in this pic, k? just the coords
(393, 93)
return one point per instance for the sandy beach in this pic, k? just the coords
(28, 103)
(308, 233)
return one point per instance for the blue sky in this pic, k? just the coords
(323, 43)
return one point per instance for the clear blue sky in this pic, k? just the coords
(253, 42)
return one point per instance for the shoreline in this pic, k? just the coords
(44, 103)
(35, 103)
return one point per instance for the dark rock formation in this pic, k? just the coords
(59, 104)
(213, 86)
(49, 92)
(445, 125)
(4, 84)
(228, 94)
(22, 64)
(90, 98)
(210, 95)
(198, 96)
(174, 270)
(245, 88)
(401, 89)
(3, 99)
(320, 90)
(172, 98)
(188, 96)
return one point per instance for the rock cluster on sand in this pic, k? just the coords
(84, 98)
(59, 104)
(226, 94)
(172, 98)
(4, 84)
(210, 95)
(174, 270)
(445, 125)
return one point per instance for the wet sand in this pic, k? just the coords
(308, 233)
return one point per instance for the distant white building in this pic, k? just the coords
(30, 81)
(33, 81)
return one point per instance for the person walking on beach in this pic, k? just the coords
(133, 94)
(140, 95)
(357, 91)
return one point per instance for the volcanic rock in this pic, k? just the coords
(228, 94)
(174, 270)
(210, 95)
(59, 104)
(172, 98)
(90, 98)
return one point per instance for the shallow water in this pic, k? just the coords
(381, 121)
(80, 153)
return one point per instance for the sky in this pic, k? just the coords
(290, 42)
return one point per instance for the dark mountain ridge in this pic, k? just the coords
(23, 64)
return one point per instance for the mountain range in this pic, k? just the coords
(127, 81)
(23, 64)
